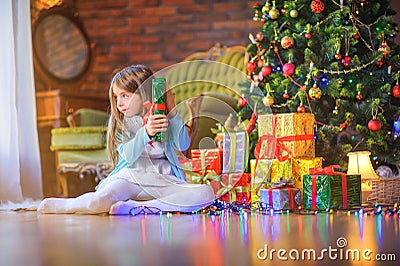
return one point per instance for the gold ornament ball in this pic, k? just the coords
(287, 42)
(268, 100)
(265, 8)
(274, 13)
(294, 13)
(315, 93)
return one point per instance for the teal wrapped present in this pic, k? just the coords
(326, 188)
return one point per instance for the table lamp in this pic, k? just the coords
(360, 163)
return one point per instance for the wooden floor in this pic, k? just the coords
(196, 239)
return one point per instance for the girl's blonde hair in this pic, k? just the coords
(130, 78)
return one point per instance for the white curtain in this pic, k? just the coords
(20, 171)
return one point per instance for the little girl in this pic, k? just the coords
(146, 172)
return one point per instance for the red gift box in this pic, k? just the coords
(235, 188)
(206, 160)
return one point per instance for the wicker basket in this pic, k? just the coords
(385, 191)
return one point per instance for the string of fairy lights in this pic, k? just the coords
(219, 207)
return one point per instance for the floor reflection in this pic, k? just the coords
(200, 239)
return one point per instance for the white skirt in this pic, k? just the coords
(146, 173)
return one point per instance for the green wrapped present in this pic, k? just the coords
(159, 106)
(326, 188)
(316, 192)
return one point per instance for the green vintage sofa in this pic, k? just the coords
(207, 87)
(80, 149)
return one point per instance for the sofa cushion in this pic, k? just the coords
(78, 138)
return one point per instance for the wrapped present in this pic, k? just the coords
(285, 198)
(265, 171)
(235, 151)
(316, 192)
(281, 170)
(206, 160)
(342, 191)
(282, 136)
(211, 178)
(301, 166)
(235, 187)
(159, 107)
(260, 176)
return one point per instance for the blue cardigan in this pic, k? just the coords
(178, 139)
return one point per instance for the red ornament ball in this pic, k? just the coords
(251, 66)
(338, 56)
(288, 69)
(266, 71)
(359, 96)
(242, 102)
(317, 6)
(374, 125)
(308, 35)
(396, 91)
(301, 109)
(286, 95)
(346, 61)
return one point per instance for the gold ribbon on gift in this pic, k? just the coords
(232, 152)
(203, 154)
(225, 188)
(203, 179)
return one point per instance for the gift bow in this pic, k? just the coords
(203, 179)
(328, 170)
(282, 182)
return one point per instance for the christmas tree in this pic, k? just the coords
(336, 59)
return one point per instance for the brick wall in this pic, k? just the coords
(157, 33)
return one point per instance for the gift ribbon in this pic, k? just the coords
(314, 192)
(202, 179)
(232, 151)
(225, 188)
(330, 170)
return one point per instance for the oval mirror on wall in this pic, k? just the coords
(61, 48)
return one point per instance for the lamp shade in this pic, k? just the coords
(359, 163)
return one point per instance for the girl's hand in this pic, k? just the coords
(156, 124)
(170, 101)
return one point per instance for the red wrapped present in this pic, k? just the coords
(235, 187)
(206, 160)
